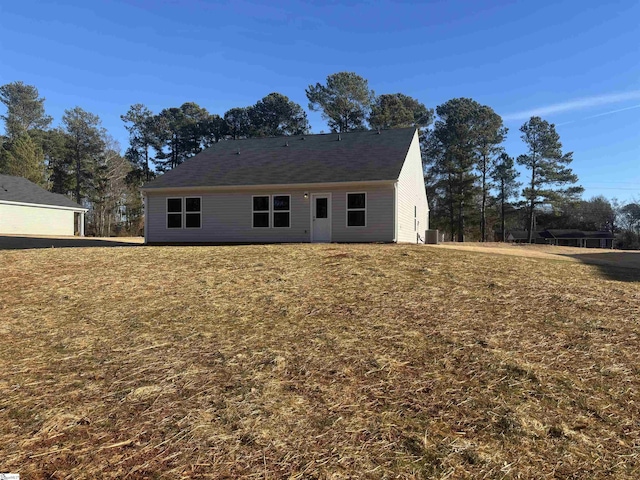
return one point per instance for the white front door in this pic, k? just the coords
(321, 217)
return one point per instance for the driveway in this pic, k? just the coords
(596, 256)
(20, 242)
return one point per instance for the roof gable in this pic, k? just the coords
(18, 189)
(521, 235)
(301, 159)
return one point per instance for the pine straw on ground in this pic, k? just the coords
(307, 361)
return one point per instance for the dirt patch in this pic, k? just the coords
(616, 258)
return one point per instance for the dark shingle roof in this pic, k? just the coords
(357, 156)
(523, 234)
(18, 189)
(558, 233)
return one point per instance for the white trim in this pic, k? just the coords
(279, 186)
(268, 211)
(395, 212)
(347, 209)
(274, 211)
(312, 204)
(41, 205)
(145, 203)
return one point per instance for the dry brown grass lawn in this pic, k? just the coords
(308, 361)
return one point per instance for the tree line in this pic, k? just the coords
(469, 171)
(474, 188)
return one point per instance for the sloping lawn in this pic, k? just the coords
(308, 361)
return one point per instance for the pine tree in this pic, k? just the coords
(25, 109)
(548, 167)
(399, 111)
(138, 122)
(238, 122)
(490, 135)
(505, 177)
(178, 134)
(276, 115)
(451, 158)
(23, 157)
(345, 101)
(85, 143)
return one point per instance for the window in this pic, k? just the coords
(174, 212)
(281, 211)
(322, 207)
(193, 212)
(356, 209)
(261, 212)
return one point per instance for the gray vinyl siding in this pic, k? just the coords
(227, 216)
(412, 197)
(379, 215)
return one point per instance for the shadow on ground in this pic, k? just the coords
(23, 243)
(621, 266)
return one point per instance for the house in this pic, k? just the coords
(579, 238)
(565, 238)
(522, 236)
(28, 209)
(363, 186)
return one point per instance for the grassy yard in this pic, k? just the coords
(315, 361)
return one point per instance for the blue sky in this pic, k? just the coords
(575, 63)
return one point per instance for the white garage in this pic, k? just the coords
(27, 209)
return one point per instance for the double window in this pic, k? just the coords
(271, 211)
(184, 212)
(356, 209)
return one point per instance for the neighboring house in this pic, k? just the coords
(27, 209)
(565, 238)
(522, 236)
(579, 238)
(351, 187)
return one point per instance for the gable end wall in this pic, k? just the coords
(411, 192)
